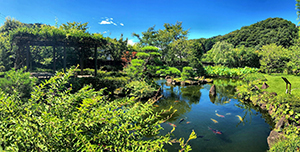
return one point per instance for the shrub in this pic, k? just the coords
(139, 89)
(187, 73)
(53, 119)
(273, 58)
(17, 83)
(166, 70)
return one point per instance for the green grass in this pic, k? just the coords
(278, 85)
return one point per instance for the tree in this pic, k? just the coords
(163, 37)
(7, 50)
(115, 48)
(273, 58)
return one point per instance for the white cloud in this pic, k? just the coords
(130, 42)
(104, 22)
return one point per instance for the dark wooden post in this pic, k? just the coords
(81, 60)
(95, 56)
(287, 85)
(65, 59)
(27, 57)
(54, 59)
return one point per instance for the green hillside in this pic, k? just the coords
(272, 30)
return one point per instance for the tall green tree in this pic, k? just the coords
(162, 38)
(6, 49)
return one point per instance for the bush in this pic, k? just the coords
(139, 89)
(274, 58)
(53, 119)
(187, 73)
(17, 83)
(166, 70)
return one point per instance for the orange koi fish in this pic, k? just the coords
(215, 121)
(172, 125)
(215, 131)
(220, 115)
(176, 101)
(188, 122)
(155, 105)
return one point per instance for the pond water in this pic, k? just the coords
(200, 112)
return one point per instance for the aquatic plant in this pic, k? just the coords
(223, 71)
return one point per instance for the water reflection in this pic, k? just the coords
(196, 107)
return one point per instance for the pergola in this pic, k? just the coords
(26, 39)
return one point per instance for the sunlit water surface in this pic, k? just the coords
(198, 109)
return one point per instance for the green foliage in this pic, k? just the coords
(293, 66)
(149, 49)
(253, 76)
(272, 30)
(289, 144)
(162, 39)
(17, 83)
(100, 82)
(223, 53)
(114, 49)
(166, 70)
(274, 58)
(187, 73)
(142, 55)
(139, 89)
(223, 71)
(53, 119)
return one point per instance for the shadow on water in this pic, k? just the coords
(244, 127)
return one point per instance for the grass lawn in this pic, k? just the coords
(278, 85)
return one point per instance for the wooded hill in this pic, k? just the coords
(272, 30)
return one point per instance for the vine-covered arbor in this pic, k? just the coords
(25, 37)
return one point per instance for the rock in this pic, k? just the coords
(273, 138)
(280, 124)
(270, 111)
(182, 83)
(212, 90)
(263, 106)
(273, 93)
(265, 86)
(254, 88)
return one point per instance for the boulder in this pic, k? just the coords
(280, 124)
(274, 137)
(265, 86)
(212, 90)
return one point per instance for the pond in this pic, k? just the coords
(222, 123)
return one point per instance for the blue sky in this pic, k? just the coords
(203, 18)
